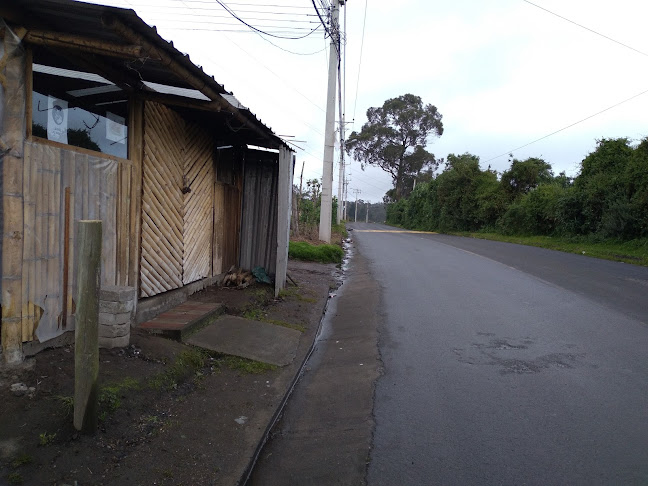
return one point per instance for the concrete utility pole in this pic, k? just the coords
(367, 215)
(355, 210)
(346, 195)
(342, 133)
(329, 134)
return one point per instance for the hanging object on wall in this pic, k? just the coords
(57, 120)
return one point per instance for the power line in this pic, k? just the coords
(203, 15)
(160, 8)
(587, 28)
(211, 22)
(244, 4)
(364, 22)
(568, 126)
(233, 14)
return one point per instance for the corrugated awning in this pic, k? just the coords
(129, 53)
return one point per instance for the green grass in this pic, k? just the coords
(633, 251)
(277, 322)
(186, 364)
(15, 478)
(340, 229)
(46, 439)
(247, 365)
(301, 250)
(22, 460)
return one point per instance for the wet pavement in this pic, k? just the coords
(506, 365)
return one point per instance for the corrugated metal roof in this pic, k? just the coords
(90, 20)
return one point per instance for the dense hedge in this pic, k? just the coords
(608, 198)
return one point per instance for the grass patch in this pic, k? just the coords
(324, 253)
(247, 365)
(633, 251)
(110, 396)
(276, 322)
(253, 313)
(288, 292)
(15, 478)
(22, 460)
(67, 404)
(186, 364)
(339, 232)
(46, 439)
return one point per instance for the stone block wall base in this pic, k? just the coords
(116, 310)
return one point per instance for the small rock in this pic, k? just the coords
(19, 389)
(241, 420)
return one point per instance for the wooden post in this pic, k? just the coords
(12, 70)
(86, 334)
(283, 217)
(66, 259)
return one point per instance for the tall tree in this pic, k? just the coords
(525, 175)
(394, 139)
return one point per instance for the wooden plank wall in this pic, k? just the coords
(162, 201)
(227, 225)
(95, 184)
(199, 179)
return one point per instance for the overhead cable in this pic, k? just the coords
(569, 126)
(233, 14)
(364, 23)
(587, 28)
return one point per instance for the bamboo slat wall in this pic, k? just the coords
(94, 190)
(177, 201)
(162, 201)
(198, 204)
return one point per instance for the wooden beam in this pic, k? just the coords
(86, 44)
(185, 74)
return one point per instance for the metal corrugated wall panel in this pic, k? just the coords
(259, 220)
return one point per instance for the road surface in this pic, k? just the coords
(507, 364)
(500, 365)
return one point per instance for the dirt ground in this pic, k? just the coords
(170, 414)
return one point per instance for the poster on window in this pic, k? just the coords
(115, 128)
(57, 120)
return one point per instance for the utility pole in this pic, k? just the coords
(346, 195)
(342, 110)
(355, 210)
(329, 133)
(367, 214)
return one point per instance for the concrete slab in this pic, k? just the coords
(255, 340)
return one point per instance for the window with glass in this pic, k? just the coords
(80, 109)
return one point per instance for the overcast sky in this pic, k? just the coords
(503, 73)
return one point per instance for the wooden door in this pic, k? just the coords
(162, 201)
(198, 204)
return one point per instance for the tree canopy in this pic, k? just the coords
(607, 199)
(394, 139)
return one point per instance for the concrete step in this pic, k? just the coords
(183, 320)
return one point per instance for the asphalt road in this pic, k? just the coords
(506, 365)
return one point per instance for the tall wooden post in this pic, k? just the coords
(284, 191)
(86, 334)
(12, 135)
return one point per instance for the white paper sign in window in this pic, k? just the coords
(115, 128)
(57, 120)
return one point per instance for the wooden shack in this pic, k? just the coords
(101, 118)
